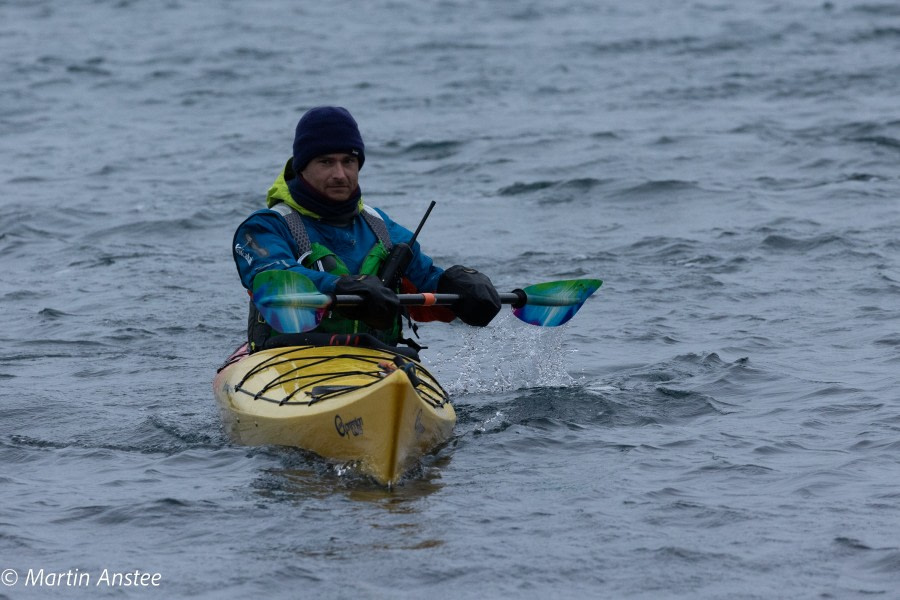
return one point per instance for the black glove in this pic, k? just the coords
(479, 301)
(380, 305)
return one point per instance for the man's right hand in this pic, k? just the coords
(380, 305)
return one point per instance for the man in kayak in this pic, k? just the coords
(317, 224)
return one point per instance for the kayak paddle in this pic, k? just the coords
(290, 302)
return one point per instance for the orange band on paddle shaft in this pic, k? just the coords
(428, 300)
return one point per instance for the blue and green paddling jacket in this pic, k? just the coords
(264, 241)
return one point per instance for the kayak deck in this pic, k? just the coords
(376, 408)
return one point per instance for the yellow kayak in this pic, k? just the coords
(372, 407)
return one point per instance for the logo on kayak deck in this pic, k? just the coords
(420, 429)
(344, 429)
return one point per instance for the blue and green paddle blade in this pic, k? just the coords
(288, 301)
(553, 303)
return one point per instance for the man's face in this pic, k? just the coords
(335, 176)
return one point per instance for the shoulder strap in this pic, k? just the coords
(295, 224)
(377, 224)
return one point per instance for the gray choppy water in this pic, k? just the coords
(720, 421)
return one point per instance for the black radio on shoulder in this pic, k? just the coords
(400, 256)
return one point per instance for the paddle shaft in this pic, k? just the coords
(290, 302)
(430, 299)
(314, 300)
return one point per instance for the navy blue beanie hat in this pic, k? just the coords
(326, 130)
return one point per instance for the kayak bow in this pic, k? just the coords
(377, 409)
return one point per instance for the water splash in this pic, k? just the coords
(497, 422)
(507, 356)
